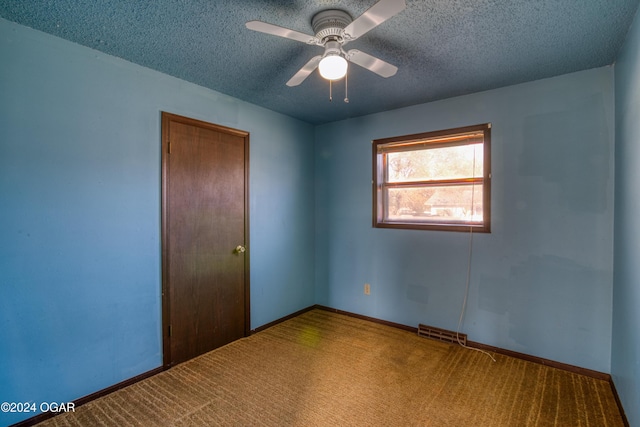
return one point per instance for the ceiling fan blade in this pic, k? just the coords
(304, 72)
(276, 30)
(376, 15)
(371, 63)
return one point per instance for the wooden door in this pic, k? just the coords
(205, 274)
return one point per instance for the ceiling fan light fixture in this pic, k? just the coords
(333, 29)
(333, 67)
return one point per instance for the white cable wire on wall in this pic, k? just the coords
(468, 281)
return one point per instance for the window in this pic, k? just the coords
(434, 181)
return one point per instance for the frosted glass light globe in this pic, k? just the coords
(333, 67)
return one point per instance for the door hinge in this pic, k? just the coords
(169, 148)
(170, 330)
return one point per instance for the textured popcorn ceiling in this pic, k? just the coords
(443, 48)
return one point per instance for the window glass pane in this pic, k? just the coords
(435, 163)
(437, 204)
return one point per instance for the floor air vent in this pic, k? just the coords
(441, 334)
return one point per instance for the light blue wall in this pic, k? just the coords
(541, 282)
(625, 353)
(80, 214)
(80, 219)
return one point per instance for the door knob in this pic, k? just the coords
(240, 249)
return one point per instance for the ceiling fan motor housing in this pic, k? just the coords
(329, 24)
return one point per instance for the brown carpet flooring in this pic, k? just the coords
(326, 369)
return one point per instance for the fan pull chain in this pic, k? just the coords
(330, 92)
(346, 88)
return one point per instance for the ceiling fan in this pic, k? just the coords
(333, 29)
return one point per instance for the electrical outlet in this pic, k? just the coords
(367, 289)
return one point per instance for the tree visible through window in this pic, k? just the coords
(437, 180)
